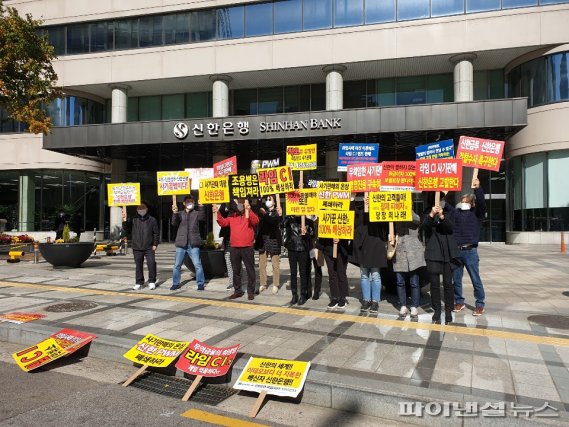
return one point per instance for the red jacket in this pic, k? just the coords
(242, 230)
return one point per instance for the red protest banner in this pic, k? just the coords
(365, 177)
(398, 176)
(202, 359)
(480, 153)
(439, 175)
(20, 318)
(225, 167)
(72, 340)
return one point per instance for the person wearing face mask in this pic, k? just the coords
(241, 222)
(270, 243)
(188, 241)
(467, 220)
(144, 235)
(60, 222)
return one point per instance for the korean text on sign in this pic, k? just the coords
(480, 153)
(436, 150)
(125, 194)
(197, 174)
(155, 351)
(224, 128)
(334, 195)
(390, 206)
(277, 377)
(302, 202)
(38, 355)
(225, 167)
(214, 190)
(72, 340)
(172, 183)
(365, 178)
(398, 176)
(352, 153)
(301, 157)
(20, 318)
(336, 224)
(439, 175)
(242, 186)
(202, 359)
(275, 180)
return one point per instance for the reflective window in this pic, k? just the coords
(258, 19)
(534, 194)
(317, 14)
(203, 25)
(482, 5)
(131, 109)
(317, 97)
(102, 37)
(173, 107)
(355, 94)
(150, 30)
(557, 167)
(385, 93)
(149, 108)
(377, 11)
(230, 22)
(288, 16)
(126, 34)
(245, 102)
(412, 9)
(552, 1)
(488, 84)
(411, 90)
(78, 38)
(198, 105)
(348, 13)
(296, 98)
(270, 100)
(557, 77)
(446, 7)
(508, 4)
(177, 28)
(440, 88)
(57, 37)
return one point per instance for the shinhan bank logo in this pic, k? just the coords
(181, 130)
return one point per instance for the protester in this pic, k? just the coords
(225, 243)
(297, 241)
(440, 252)
(270, 243)
(467, 221)
(317, 260)
(241, 222)
(370, 254)
(337, 267)
(60, 220)
(409, 257)
(188, 241)
(144, 235)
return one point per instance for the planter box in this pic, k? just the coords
(213, 263)
(67, 254)
(25, 247)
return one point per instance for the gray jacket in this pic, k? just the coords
(188, 224)
(410, 253)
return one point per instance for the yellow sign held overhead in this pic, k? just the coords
(302, 157)
(334, 195)
(336, 224)
(390, 206)
(214, 190)
(302, 202)
(124, 194)
(173, 183)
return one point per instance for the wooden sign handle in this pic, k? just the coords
(174, 203)
(135, 375)
(474, 174)
(335, 251)
(392, 229)
(302, 221)
(278, 200)
(258, 404)
(192, 388)
(437, 198)
(124, 211)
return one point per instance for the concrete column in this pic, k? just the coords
(26, 202)
(334, 87)
(118, 174)
(463, 77)
(220, 96)
(119, 102)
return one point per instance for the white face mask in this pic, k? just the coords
(142, 212)
(443, 204)
(464, 206)
(189, 206)
(240, 207)
(270, 204)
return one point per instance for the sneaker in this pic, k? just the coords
(374, 307)
(137, 287)
(333, 304)
(403, 312)
(262, 288)
(414, 312)
(458, 307)
(342, 303)
(235, 295)
(201, 288)
(478, 311)
(152, 286)
(365, 305)
(229, 287)
(275, 289)
(250, 297)
(174, 287)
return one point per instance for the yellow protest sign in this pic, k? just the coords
(273, 376)
(155, 351)
(275, 180)
(38, 355)
(124, 194)
(214, 190)
(302, 202)
(336, 224)
(390, 206)
(334, 195)
(301, 157)
(173, 183)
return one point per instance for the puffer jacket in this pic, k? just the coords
(142, 232)
(188, 224)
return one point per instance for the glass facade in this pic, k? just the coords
(168, 107)
(257, 19)
(544, 80)
(75, 111)
(285, 99)
(539, 198)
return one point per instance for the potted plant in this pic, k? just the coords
(9, 243)
(212, 257)
(67, 251)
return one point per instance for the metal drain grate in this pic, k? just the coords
(554, 322)
(165, 385)
(70, 306)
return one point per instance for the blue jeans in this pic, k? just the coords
(415, 288)
(194, 254)
(471, 261)
(370, 291)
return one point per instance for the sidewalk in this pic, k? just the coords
(517, 352)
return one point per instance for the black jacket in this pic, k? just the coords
(440, 245)
(294, 240)
(188, 224)
(142, 232)
(467, 223)
(269, 236)
(368, 247)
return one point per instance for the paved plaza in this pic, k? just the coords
(517, 352)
